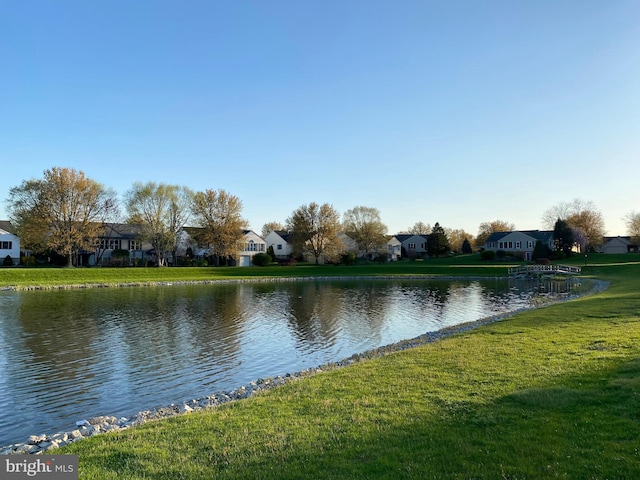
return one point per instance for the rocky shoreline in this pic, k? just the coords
(39, 444)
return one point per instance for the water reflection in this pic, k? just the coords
(71, 354)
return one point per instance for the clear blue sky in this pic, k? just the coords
(456, 112)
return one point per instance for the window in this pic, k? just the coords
(251, 246)
(135, 245)
(412, 246)
(279, 246)
(518, 245)
(510, 245)
(6, 245)
(109, 244)
(529, 243)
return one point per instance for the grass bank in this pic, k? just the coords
(20, 278)
(550, 393)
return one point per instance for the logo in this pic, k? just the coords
(50, 467)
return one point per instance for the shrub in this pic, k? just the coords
(501, 254)
(543, 261)
(8, 261)
(28, 261)
(348, 258)
(261, 259)
(382, 258)
(487, 255)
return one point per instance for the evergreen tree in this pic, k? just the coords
(562, 237)
(540, 251)
(437, 242)
(466, 246)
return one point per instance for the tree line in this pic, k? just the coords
(66, 212)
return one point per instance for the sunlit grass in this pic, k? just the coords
(18, 277)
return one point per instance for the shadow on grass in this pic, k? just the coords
(586, 426)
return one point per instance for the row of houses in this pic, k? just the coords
(126, 237)
(522, 243)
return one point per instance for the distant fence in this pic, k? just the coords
(542, 269)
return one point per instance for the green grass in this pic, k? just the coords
(550, 393)
(19, 277)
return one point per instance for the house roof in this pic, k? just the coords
(286, 236)
(403, 237)
(122, 230)
(542, 235)
(619, 239)
(7, 227)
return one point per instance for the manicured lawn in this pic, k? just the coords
(18, 277)
(550, 393)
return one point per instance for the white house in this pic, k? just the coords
(9, 242)
(519, 243)
(251, 244)
(413, 245)
(394, 248)
(279, 240)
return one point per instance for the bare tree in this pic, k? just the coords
(65, 211)
(162, 211)
(219, 214)
(420, 228)
(315, 229)
(487, 228)
(364, 226)
(632, 220)
(270, 226)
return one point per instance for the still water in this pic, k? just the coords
(72, 354)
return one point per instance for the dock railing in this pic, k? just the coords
(544, 269)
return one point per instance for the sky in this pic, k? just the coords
(456, 112)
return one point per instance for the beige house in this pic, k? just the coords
(618, 245)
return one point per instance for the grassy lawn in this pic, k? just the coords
(550, 393)
(18, 277)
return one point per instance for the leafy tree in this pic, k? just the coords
(63, 212)
(591, 223)
(457, 237)
(578, 214)
(633, 226)
(487, 228)
(314, 229)
(437, 242)
(270, 226)
(563, 237)
(219, 214)
(162, 212)
(364, 226)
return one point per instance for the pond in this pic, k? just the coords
(67, 355)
